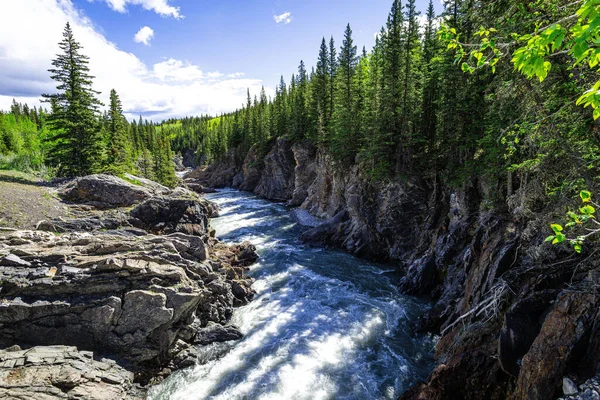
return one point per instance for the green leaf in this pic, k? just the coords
(587, 210)
(577, 248)
(586, 196)
(550, 238)
(559, 238)
(556, 228)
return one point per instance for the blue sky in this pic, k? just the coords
(201, 54)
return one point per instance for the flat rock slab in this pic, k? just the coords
(62, 372)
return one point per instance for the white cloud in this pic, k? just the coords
(161, 7)
(169, 88)
(144, 35)
(284, 18)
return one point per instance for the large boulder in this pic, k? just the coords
(164, 215)
(155, 187)
(104, 190)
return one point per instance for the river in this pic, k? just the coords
(323, 324)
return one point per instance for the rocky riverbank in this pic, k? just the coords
(134, 276)
(514, 314)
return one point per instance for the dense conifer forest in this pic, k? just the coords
(410, 106)
(487, 89)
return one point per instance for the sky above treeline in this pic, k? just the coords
(175, 58)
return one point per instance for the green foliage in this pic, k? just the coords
(534, 51)
(76, 141)
(582, 224)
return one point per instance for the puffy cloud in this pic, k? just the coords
(161, 7)
(144, 35)
(170, 88)
(284, 18)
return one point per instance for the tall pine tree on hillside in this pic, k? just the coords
(345, 138)
(118, 157)
(321, 95)
(76, 147)
(332, 70)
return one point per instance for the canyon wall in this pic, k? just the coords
(514, 314)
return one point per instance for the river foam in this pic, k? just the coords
(323, 325)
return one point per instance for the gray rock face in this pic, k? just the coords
(155, 187)
(219, 174)
(129, 296)
(103, 285)
(217, 333)
(189, 159)
(251, 171)
(62, 372)
(277, 178)
(104, 190)
(519, 334)
(164, 215)
(305, 171)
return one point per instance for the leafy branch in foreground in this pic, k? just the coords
(583, 223)
(576, 35)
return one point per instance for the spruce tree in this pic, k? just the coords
(118, 157)
(332, 69)
(345, 133)
(321, 93)
(76, 147)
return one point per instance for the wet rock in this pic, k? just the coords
(197, 187)
(63, 372)
(217, 333)
(329, 233)
(104, 190)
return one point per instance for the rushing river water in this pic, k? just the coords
(323, 324)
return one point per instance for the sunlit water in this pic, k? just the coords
(323, 325)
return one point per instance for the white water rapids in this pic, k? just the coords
(323, 324)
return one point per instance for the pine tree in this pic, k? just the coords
(345, 138)
(76, 147)
(321, 94)
(118, 158)
(332, 70)
(410, 95)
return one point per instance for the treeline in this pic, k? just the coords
(408, 108)
(22, 132)
(74, 138)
